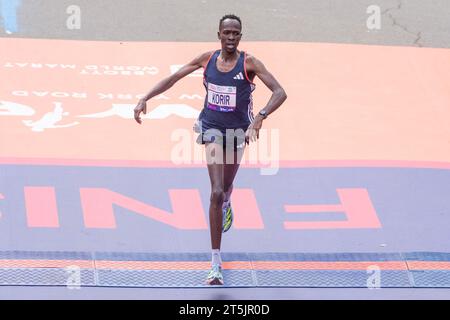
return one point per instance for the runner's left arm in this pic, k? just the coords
(278, 95)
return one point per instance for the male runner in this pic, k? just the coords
(226, 121)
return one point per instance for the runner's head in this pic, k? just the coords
(229, 34)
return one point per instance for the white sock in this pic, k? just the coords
(216, 259)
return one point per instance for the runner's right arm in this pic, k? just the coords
(169, 81)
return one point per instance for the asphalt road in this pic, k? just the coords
(401, 22)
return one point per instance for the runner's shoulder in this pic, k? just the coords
(203, 58)
(251, 61)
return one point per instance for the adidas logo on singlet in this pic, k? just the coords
(239, 76)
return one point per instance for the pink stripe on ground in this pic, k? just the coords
(282, 164)
(202, 265)
(231, 265)
(341, 265)
(168, 265)
(16, 263)
(428, 265)
(152, 265)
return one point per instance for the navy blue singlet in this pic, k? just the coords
(228, 101)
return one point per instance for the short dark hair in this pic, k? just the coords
(230, 16)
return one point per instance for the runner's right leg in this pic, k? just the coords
(215, 171)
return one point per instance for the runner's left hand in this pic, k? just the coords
(252, 133)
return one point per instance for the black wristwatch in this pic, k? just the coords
(263, 113)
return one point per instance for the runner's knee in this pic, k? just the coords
(217, 195)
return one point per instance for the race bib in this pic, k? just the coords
(221, 98)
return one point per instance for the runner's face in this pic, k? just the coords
(229, 35)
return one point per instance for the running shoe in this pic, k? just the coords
(227, 216)
(215, 277)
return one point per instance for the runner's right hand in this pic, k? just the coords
(141, 107)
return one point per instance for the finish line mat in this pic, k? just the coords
(350, 270)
